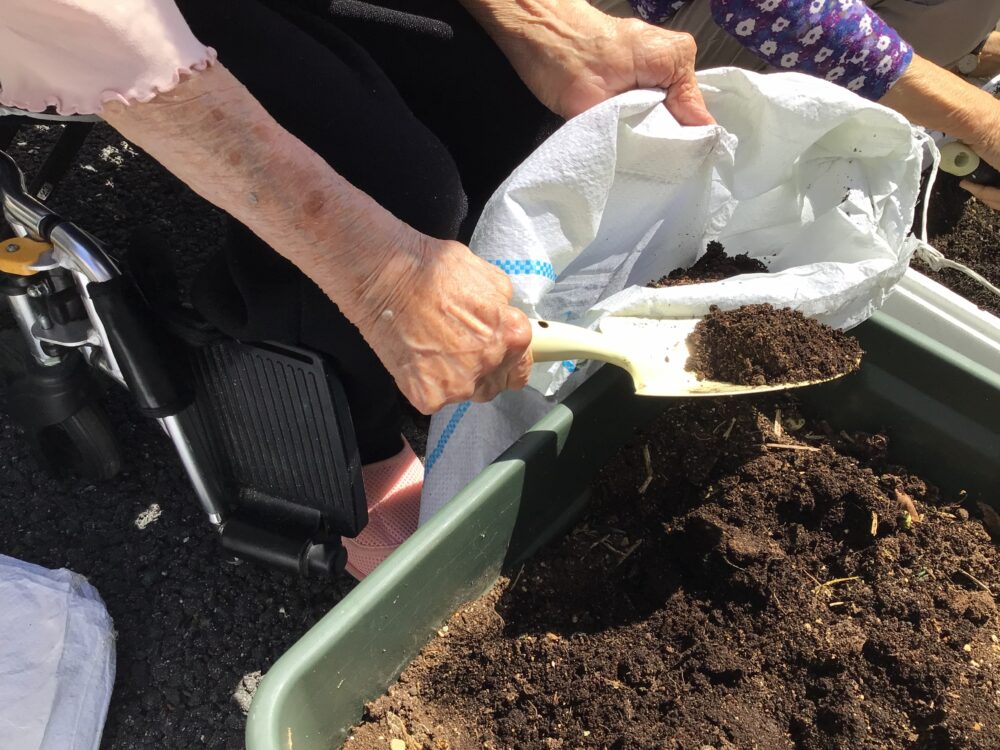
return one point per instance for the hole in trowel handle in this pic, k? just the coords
(543, 324)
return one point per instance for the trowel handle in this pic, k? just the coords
(960, 160)
(553, 342)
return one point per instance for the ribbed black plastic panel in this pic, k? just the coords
(283, 429)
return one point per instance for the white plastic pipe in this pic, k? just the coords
(958, 159)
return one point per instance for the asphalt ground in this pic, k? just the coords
(195, 628)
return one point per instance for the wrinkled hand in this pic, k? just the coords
(442, 325)
(982, 135)
(929, 95)
(583, 56)
(988, 195)
(990, 153)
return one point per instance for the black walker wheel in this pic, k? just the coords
(81, 443)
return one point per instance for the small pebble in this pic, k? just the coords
(397, 744)
(963, 514)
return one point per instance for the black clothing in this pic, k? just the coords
(409, 101)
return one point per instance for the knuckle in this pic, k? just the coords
(518, 381)
(492, 357)
(518, 330)
(684, 44)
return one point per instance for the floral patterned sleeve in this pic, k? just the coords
(841, 40)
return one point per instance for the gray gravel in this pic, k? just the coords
(195, 628)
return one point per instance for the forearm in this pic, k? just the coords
(212, 134)
(931, 96)
(845, 43)
(436, 316)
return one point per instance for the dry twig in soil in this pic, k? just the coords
(908, 505)
(792, 447)
(649, 469)
(833, 582)
(976, 581)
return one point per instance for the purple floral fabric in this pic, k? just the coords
(843, 41)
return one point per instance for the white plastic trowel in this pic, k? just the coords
(653, 352)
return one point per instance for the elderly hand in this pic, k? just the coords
(573, 56)
(937, 99)
(988, 195)
(985, 141)
(439, 319)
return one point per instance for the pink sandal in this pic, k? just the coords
(393, 490)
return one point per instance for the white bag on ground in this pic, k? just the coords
(57, 659)
(813, 180)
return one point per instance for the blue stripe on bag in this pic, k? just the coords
(526, 268)
(449, 430)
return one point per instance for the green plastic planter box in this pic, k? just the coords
(940, 409)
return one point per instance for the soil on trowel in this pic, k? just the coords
(744, 579)
(760, 345)
(966, 231)
(714, 265)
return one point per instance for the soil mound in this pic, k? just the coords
(760, 345)
(714, 265)
(745, 579)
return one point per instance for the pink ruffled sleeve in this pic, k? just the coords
(76, 55)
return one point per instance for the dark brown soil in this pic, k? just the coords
(745, 579)
(758, 345)
(966, 231)
(714, 265)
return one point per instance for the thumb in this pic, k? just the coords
(686, 104)
(988, 195)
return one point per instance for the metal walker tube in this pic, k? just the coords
(75, 251)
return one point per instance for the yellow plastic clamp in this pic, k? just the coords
(18, 255)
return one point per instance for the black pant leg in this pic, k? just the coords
(454, 79)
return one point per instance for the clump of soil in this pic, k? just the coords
(714, 265)
(759, 345)
(966, 231)
(745, 579)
